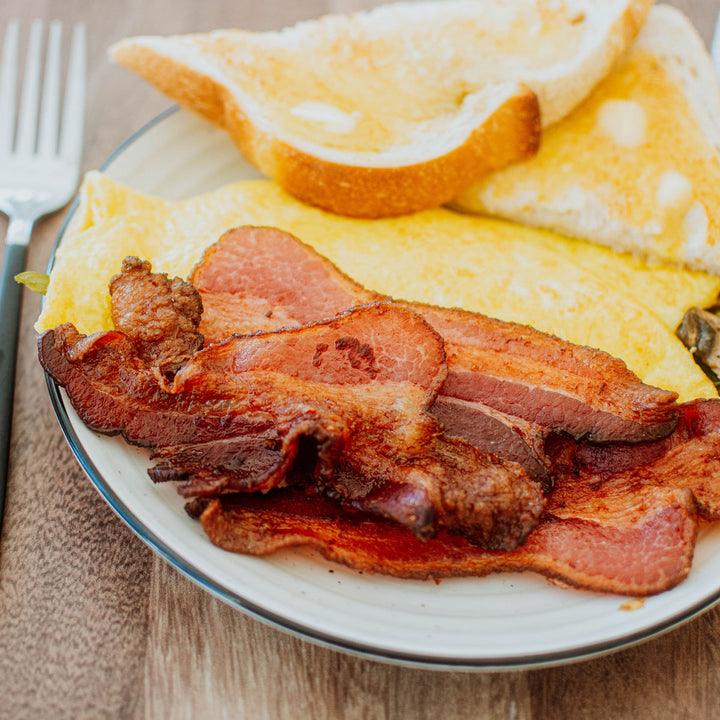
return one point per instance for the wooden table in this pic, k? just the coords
(93, 624)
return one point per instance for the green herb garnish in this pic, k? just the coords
(35, 281)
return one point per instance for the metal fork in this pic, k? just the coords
(715, 47)
(39, 170)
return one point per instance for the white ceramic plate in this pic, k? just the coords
(501, 621)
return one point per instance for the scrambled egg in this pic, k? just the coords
(580, 292)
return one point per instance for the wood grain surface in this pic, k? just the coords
(93, 625)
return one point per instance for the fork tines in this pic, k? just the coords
(39, 132)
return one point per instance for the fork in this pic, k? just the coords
(39, 170)
(715, 47)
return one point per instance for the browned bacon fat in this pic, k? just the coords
(264, 278)
(159, 315)
(114, 392)
(492, 431)
(631, 553)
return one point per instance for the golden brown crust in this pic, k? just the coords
(510, 134)
(189, 88)
(560, 95)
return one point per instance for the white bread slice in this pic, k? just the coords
(637, 165)
(399, 108)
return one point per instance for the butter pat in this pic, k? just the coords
(332, 118)
(674, 190)
(624, 122)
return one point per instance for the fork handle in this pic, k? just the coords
(10, 303)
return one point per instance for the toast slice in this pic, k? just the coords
(637, 165)
(399, 108)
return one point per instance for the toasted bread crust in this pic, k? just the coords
(559, 100)
(475, 120)
(510, 134)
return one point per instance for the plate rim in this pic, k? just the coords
(292, 627)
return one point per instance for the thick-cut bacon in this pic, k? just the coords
(508, 388)
(113, 378)
(636, 554)
(688, 459)
(262, 277)
(495, 432)
(367, 377)
(115, 393)
(356, 387)
(547, 381)
(342, 407)
(621, 518)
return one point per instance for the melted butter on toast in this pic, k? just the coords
(361, 70)
(632, 159)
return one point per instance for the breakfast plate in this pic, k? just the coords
(503, 621)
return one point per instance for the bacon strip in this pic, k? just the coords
(492, 431)
(506, 392)
(621, 518)
(640, 554)
(356, 387)
(343, 404)
(688, 459)
(262, 277)
(520, 371)
(367, 377)
(114, 392)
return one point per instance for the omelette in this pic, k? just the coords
(580, 292)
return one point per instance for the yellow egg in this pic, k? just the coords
(580, 292)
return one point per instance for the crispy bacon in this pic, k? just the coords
(640, 553)
(262, 277)
(621, 518)
(350, 411)
(367, 378)
(516, 392)
(115, 393)
(356, 388)
(158, 315)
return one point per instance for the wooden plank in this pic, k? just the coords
(73, 579)
(676, 675)
(205, 658)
